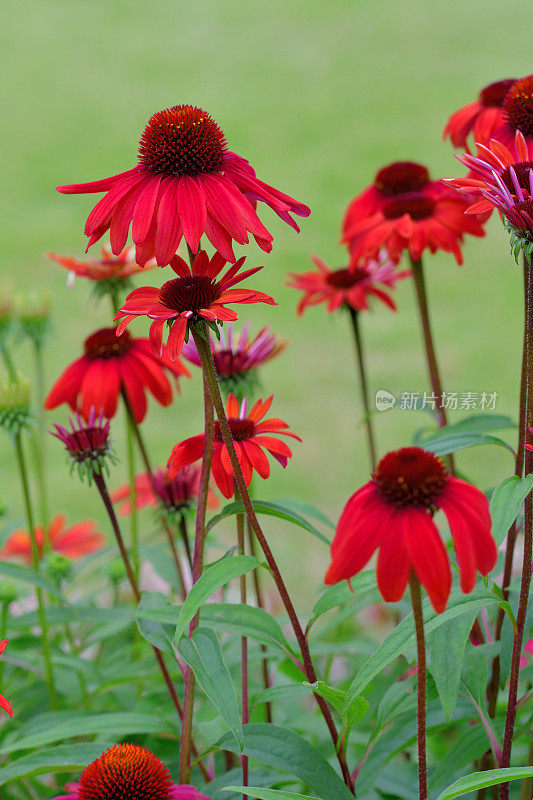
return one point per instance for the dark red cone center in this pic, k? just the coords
(525, 211)
(411, 477)
(182, 140)
(125, 772)
(240, 429)
(418, 206)
(190, 293)
(401, 177)
(493, 95)
(518, 106)
(105, 343)
(346, 278)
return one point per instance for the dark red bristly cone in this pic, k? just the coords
(125, 772)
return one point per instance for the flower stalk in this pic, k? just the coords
(21, 462)
(197, 567)
(416, 599)
(244, 648)
(210, 378)
(364, 385)
(528, 531)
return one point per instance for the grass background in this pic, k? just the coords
(318, 96)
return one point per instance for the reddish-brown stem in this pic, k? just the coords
(364, 386)
(244, 649)
(208, 368)
(147, 466)
(528, 534)
(433, 368)
(197, 566)
(261, 604)
(104, 494)
(185, 538)
(416, 599)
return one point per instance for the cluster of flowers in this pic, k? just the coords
(186, 185)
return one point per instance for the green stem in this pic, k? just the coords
(197, 567)
(364, 385)
(4, 614)
(35, 561)
(40, 444)
(12, 372)
(210, 378)
(416, 599)
(433, 368)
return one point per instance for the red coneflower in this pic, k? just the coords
(109, 267)
(88, 444)
(497, 175)
(481, 118)
(350, 286)
(192, 296)
(74, 542)
(248, 433)
(110, 363)
(128, 772)
(3, 702)
(391, 181)
(176, 494)
(394, 512)
(517, 113)
(237, 358)
(185, 184)
(413, 222)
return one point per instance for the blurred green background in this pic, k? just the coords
(318, 96)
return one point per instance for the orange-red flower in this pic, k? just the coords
(193, 296)
(185, 184)
(480, 118)
(110, 364)
(342, 286)
(3, 702)
(75, 541)
(413, 222)
(394, 513)
(250, 435)
(109, 267)
(517, 113)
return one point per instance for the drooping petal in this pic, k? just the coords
(428, 555)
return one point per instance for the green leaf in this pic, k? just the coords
(446, 647)
(286, 691)
(268, 794)
(255, 623)
(470, 746)
(446, 442)
(341, 593)
(28, 575)
(505, 503)
(212, 579)
(62, 758)
(204, 655)
(283, 749)
(480, 780)
(403, 636)
(155, 632)
(307, 509)
(113, 725)
(271, 509)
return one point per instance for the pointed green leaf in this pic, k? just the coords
(505, 503)
(62, 758)
(283, 749)
(271, 509)
(212, 579)
(446, 648)
(480, 780)
(342, 593)
(402, 637)
(204, 655)
(28, 575)
(268, 794)
(442, 444)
